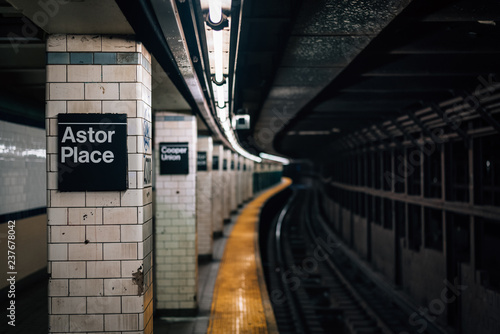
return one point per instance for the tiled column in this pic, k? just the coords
(234, 182)
(204, 199)
(250, 171)
(227, 184)
(100, 243)
(237, 170)
(175, 228)
(244, 179)
(217, 190)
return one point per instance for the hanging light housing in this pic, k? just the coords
(218, 36)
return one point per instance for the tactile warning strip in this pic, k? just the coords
(237, 302)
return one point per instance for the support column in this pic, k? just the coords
(175, 232)
(204, 198)
(99, 242)
(239, 184)
(217, 190)
(234, 184)
(226, 171)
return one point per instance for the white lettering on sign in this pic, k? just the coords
(173, 150)
(83, 136)
(90, 135)
(72, 153)
(170, 157)
(172, 153)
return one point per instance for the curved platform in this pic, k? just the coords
(240, 301)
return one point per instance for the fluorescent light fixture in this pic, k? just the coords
(223, 114)
(284, 161)
(221, 96)
(218, 55)
(215, 10)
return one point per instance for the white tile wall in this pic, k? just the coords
(176, 253)
(22, 168)
(227, 178)
(218, 192)
(204, 198)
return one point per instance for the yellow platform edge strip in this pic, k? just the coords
(240, 302)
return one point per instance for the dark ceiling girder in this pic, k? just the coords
(143, 20)
(433, 50)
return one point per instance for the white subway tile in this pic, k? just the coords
(117, 44)
(84, 43)
(130, 267)
(101, 91)
(120, 251)
(86, 287)
(67, 199)
(57, 216)
(131, 233)
(84, 107)
(102, 198)
(121, 322)
(67, 234)
(103, 269)
(130, 91)
(69, 305)
(56, 43)
(85, 216)
(103, 233)
(103, 305)
(57, 252)
(132, 197)
(59, 323)
(122, 215)
(121, 287)
(132, 304)
(66, 91)
(119, 73)
(68, 269)
(53, 108)
(89, 251)
(86, 323)
(120, 107)
(84, 73)
(56, 73)
(58, 287)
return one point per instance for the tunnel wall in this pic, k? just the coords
(428, 220)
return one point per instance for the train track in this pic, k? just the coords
(315, 288)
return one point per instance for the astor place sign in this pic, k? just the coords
(92, 152)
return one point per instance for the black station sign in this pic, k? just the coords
(92, 152)
(202, 161)
(215, 162)
(174, 158)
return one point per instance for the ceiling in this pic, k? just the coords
(24, 25)
(347, 67)
(307, 72)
